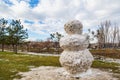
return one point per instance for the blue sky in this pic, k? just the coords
(33, 3)
(43, 17)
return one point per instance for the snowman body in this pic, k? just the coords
(75, 58)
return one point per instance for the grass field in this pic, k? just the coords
(112, 53)
(11, 64)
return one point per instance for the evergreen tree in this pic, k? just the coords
(3, 25)
(56, 38)
(16, 34)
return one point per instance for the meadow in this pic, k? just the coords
(11, 64)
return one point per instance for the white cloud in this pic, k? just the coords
(55, 13)
(20, 8)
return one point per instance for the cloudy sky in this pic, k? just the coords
(42, 17)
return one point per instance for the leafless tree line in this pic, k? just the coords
(108, 35)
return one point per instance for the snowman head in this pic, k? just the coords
(73, 27)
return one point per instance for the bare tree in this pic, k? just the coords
(108, 35)
(118, 36)
(114, 36)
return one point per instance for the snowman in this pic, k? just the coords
(76, 58)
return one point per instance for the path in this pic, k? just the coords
(46, 54)
(102, 58)
(41, 54)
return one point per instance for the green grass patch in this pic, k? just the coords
(113, 67)
(11, 64)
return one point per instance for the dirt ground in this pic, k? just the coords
(58, 73)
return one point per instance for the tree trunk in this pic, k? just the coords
(16, 48)
(2, 47)
(13, 47)
(28, 47)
